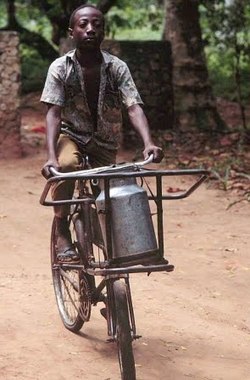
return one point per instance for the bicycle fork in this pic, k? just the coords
(111, 306)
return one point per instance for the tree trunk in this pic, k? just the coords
(105, 5)
(194, 103)
(11, 12)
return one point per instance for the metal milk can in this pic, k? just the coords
(133, 236)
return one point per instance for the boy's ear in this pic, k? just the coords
(70, 32)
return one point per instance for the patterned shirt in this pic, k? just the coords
(65, 87)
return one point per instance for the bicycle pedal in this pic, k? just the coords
(110, 340)
(137, 337)
(95, 298)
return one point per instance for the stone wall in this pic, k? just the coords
(10, 119)
(150, 65)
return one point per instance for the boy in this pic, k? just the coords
(84, 91)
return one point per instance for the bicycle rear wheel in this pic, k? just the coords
(72, 291)
(123, 332)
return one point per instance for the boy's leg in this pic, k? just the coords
(69, 159)
(100, 156)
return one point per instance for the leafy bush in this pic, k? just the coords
(221, 72)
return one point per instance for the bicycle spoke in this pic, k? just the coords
(70, 296)
(74, 284)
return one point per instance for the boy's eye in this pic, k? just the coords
(94, 23)
(83, 24)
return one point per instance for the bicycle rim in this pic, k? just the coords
(123, 332)
(71, 291)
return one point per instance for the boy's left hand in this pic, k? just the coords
(156, 151)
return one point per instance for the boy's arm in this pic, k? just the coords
(139, 121)
(53, 122)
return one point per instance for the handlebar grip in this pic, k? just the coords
(53, 171)
(147, 161)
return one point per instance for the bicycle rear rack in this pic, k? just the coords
(106, 268)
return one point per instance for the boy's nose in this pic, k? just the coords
(90, 28)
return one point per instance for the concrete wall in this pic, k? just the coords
(10, 119)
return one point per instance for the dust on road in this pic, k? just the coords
(194, 322)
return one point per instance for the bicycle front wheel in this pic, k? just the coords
(72, 291)
(123, 332)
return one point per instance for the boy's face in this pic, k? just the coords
(88, 29)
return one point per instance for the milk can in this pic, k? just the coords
(132, 231)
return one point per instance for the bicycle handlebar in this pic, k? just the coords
(124, 170)
(103, 169)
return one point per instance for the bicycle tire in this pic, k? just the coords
(123, 332)
(72, 292)
(83, 245)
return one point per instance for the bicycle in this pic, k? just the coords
(101, 254)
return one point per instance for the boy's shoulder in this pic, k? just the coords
(111, 58)
(60, 61)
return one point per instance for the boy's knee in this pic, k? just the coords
(69, 156)
(69, 164)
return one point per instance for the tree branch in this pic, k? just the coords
(105, 5)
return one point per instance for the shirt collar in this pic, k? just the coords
(107, 58)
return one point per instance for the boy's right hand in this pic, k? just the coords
(46, 168)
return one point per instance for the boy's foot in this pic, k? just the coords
(65, 249)
(68, 255)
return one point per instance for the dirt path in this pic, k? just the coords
(195, 321)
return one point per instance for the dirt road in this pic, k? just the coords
(195, 321)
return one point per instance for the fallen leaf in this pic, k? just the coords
(216, 294)
(174, 189)
(231, 250)
(226, 141)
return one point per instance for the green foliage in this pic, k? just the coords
(221, 72)
(3, 15)
(127, 20)
(33, 69)
(226, 32)
(32, 19)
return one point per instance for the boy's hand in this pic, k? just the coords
(46, 168)
(156, 151)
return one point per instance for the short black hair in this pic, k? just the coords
(72, 17)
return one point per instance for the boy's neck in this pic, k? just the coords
(89, 57)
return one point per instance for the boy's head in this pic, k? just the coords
(86, 26)
(73, 14)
